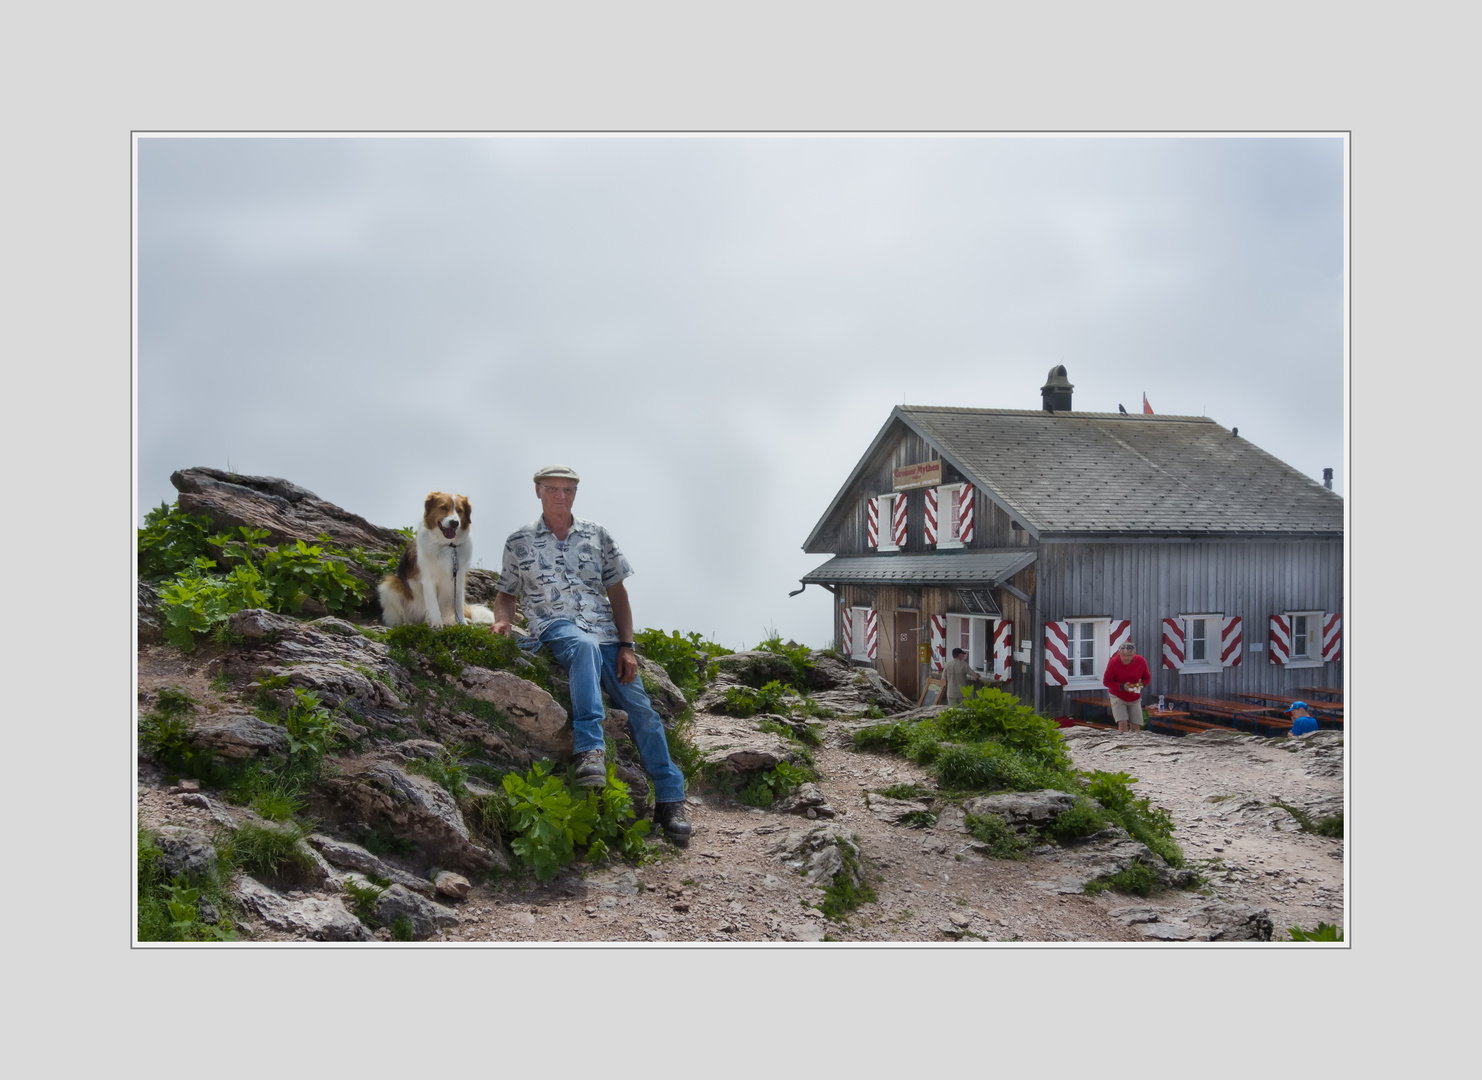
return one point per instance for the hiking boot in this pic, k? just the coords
(591, 769)
(669, 816)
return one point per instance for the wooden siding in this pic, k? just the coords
(1149, 582)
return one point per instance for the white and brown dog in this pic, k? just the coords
(430, 581)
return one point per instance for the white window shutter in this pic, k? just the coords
(1118, 631)
(1057, 653)
(1232, 642)
(931, 515)
(1003, 649)
(1281, 639)
(872, 523)
(1173, 643)
(938, 642)
(1332, 637)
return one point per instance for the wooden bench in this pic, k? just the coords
(1186, 726)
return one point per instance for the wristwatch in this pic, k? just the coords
(626, 645)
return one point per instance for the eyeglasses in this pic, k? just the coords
(568, 492)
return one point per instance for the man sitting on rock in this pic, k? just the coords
(569, 575)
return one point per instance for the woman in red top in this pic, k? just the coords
(1126, 676)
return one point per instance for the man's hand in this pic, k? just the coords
(622, 617)
(627, 666)
(504, 613)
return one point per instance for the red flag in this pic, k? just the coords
(1146, 408)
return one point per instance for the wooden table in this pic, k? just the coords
(1332, 693)
(1325, 707)
(1233, 711)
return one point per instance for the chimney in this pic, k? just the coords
(1327, 479)
(1056, 391)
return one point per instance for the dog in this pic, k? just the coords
(431, 580)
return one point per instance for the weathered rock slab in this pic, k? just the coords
(819, 853)
(735, 746)
(287, 511)
(348, 856)
(316, 918)
(426, 916)
(1021, 808)
(893, 810)
(527, 705)
(238, 735)
(807, 800)
(453, 886)
(187, 851)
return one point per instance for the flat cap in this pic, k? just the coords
(563, 471)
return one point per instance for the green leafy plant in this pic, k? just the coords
(402, 929)
(849, 889)
(277, 800)
(745, 701)
(769, 785)
(1080, 820)
(687, 659)
(1145, 822)
(796, 655)
(272, 850)
(547, 824)
(171, 541)
(170, 909)
(362, 899)
(1138, 879)
(1324, 932)
(200, 602)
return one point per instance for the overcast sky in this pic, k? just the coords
(711, 330)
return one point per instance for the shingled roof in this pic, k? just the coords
(1108, 473)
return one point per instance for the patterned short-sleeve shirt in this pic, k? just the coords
(564, 580)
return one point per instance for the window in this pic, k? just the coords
(887, 516)
(974, 635)
(1202, 642)
(950, 513)
(1087, 652)
(1306, 647)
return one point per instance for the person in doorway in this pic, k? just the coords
(569, 575)
(959, 673)
(1303, 722)
(1126, 677)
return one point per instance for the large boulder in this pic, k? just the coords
(754, 669)
(893, 810)
(348, 856)
(328, 656)
(316, 918)
(668, 700)
(286, 510)
(238, 735)
(414, 807)
(538, 715)
(828, 672)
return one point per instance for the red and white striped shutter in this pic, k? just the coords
(965, 514)
(1003, 649)
(846, 624)
(898, 521)
(931, 515)
(1281, 639)
(1057, 653)
(938, 641)
(1173, 643)
(1332, 637)
(1232, 642)
(872, 523)
(1120, 631)
(872, 633)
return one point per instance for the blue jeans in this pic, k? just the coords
(592, 666)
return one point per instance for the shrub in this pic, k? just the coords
(171, 541)
(547, 824)
(766, 787)
(170, 910)
(273, 850)
(848, 890)
(1138, 878)
(989, 714)
(744, 701)
(1145, 822)
(688, 660)
(1082, 819)
(796, 655)
(1324, 932)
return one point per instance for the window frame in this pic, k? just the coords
(946, 498)
(1101, 643)
(858, 646)
(887, 514)
(1211, 662)
(980, 639)
(1313, 657)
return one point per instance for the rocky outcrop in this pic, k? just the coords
(1105, 855)
(426, 916)
(151, 621)
(893, 810)
(667, 699)
(736, 746)
(528, 706)
(286, 510)
(328, 656)
(1216, 921)
(820, 853)
(754, 669)
(378, 790)
(828, 672)
(348, 856)
(317, 918)
(1021, 808)
(238, 735)
(187, 852)
(807, 800)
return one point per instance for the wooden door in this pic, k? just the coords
(907, 642)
